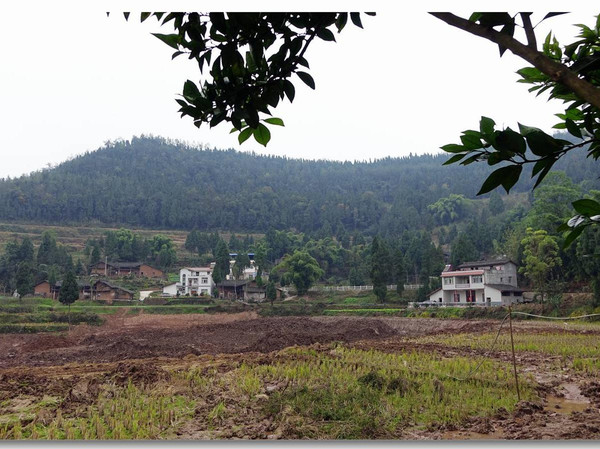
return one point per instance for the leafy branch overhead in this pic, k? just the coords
(570, 73)
(251, 59)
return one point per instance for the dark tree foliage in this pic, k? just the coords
(69, 291)
(152, 183)
(380, 268)
(252, 59)
(569, 73)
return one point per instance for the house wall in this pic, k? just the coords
(42, 289)
(192, 280)
(148, 271)
(170, 289)
(98, 269)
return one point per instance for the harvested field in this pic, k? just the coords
(242, 376)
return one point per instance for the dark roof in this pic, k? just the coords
(484, 263)
(252, 289)
(126, 264)
(504, 287)
(113, 286)
(232, 283)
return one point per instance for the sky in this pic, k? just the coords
(72, 78)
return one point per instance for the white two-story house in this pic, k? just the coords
(195, 281)
(485, 282)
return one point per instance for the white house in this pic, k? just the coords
(486, 282)
(195, 281)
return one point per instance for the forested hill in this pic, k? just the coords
(151, 182)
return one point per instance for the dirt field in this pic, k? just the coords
(142, 348)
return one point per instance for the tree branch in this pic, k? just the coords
(531, 40)
(558, 72)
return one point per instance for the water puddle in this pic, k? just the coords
(573, 401)
(565, 406)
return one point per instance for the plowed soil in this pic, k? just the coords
(136, 347)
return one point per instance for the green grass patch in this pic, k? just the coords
(577, 351)
(32, 328)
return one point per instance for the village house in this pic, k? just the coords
(241, 289)
(113, 269)
(105, 291)
(485, 282)
(195, 281)
(45, 290)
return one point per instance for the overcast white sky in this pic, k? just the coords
(71, 79)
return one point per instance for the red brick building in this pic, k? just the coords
(113, 269)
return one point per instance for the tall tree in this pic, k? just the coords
(47, 251)
(302, 269)
(496, 204)
(69, 291)
(540, 252)
(380, 268)
(221, 269)
(24, 278)
(271, 292)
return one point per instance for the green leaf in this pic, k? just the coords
(144, 16)
(505, 176)
(307, 79)
(262, 134)
(190, 91)
(541, 144)
(509, 140)
(325, 34)
(573, 128)
(172, 40)
(587, 207)
(355, 17)
(471, 159)
(341, 21)
(486, 126)
(572, 236)
(289, 89)
(453, 159)
(471, 142)
(244, 135)
(274, 121)
(453, 148)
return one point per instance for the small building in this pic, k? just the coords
(113, 269)
(485, 282)
(43, 289)
(232, 289)
(195, 281)
(105, 291)
(170, 290)
(241, 289)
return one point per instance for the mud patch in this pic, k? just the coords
(137, 373)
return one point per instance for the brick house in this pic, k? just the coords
(105, 291)
(112, 269)
(45, 290)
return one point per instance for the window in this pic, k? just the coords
(205, 280)
(448, 281)
(509, 279)
(476, 279)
